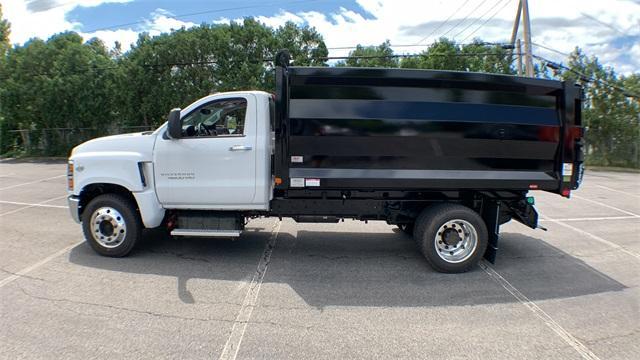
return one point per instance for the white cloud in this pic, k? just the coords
(161, 22)
(49, 15)
(557, 24)
(43, 18)
(275, 21)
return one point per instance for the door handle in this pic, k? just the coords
(239, 148)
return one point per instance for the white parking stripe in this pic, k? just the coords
(37, 205)
(584, 351)
(35, 266)
(605, 205)
(32, 182)
(595, 218)
(32, 205)
(230, 351)
(619, 191)
(595, 237)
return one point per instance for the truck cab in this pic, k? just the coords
(221, 160)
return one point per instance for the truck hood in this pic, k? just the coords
(139, 143)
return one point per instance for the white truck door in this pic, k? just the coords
(213, 166)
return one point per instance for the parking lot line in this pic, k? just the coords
(35, 266)
(31, 182)
(36, 205)
(595, 237)
(231, 347)
(33, 205)
(605, 205)
(584, 351)
(618, 191)
(595, 218)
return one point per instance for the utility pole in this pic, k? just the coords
(516, 24)
(528, 57)
(519, 50)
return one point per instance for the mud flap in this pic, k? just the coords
(524, 213)
(490, 215)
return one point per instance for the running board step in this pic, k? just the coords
(205, 233)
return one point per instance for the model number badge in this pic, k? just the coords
(297, 159)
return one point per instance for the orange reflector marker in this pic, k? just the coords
(70, 175)
(278, 181)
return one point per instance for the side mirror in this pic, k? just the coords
(174, 124)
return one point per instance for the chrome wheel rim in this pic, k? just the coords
(455, 241)
(108, 227)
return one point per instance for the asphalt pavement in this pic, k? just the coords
(317, 291)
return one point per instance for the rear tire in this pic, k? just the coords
(111, 225)
(452, 237)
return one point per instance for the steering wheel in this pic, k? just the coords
(202, 130)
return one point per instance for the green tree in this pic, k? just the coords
(5, 31)
(611, 116)
(61, 83)
(441, 55)
(305, 44)
(446, 55)
(172, 70)
(371, 56)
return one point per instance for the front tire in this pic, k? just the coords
(452, 237)
(111, 225)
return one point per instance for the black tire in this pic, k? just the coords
(407, 228)
(428, 238)
(127, 215)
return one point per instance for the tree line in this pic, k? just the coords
(58, 92)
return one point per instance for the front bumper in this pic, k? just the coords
(74, 207)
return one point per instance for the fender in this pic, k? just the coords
(131, 170)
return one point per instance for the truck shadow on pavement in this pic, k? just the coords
(329, 268)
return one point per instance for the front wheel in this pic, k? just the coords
(111, 225)
(452, 237)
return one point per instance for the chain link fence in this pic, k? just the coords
(59, 141)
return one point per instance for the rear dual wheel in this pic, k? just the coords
(452, 237)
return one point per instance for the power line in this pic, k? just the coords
(395, 56)
(603, 23)
(584, 77)
(486, 21)
(415, 45)
(551, 49)
(203, 12)
(478, 18)
(408, 56)
(442, 24)
(465, 18)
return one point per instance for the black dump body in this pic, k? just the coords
(397, 129)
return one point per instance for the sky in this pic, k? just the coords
(609, 29)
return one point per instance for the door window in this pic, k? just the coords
(225, 117)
